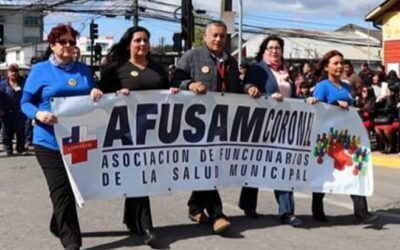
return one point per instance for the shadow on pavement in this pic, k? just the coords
(167, 235)
(385, 217)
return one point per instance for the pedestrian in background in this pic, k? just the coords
(1, 117)
(76, 55)
(13, 118)
(271, 77)
(351, 77)
(171, 71)
(366, 74)
(59, 76)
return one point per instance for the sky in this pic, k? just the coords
(325, 15)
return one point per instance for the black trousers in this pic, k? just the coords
(137, 214)
(248, 199)
(61, 195)
(359, 203)
(209, 200)
(14, 125)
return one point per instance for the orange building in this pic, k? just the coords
(387, 17)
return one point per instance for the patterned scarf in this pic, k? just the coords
(277, 66)
(67, 67)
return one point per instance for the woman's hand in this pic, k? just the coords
(277, 96)
(253, 92)
(312, 100)
(343, 104)
(96, 94)
(123, 91)
(174, 90)
(198, 88)
(46, 117)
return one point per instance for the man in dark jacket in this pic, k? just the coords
(12, 117)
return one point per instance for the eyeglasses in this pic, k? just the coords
(274, 48)
(64, 42)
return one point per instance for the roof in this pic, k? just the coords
(309, 45)
(377, 34)
(376, 14)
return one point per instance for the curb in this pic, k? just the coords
(388, 161)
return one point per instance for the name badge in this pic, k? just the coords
(205, 69)
(134, 73)
(72, 82)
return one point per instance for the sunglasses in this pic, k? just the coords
(64, 42)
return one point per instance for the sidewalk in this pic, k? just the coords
(385, 160)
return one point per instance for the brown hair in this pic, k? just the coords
(323, 62)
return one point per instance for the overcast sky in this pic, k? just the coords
(301, 14)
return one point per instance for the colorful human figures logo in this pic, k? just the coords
(344, 149)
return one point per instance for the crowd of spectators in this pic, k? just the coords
(376, 96)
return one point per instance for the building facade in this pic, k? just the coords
(387, 17)
(20, 27)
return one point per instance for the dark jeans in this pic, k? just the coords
(61, 195)
(359, 203)
(209, 200)
(137, 214)
(14, 125)
(248, 200)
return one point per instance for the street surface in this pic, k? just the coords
(25, 211)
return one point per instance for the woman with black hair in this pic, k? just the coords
(392, 78)
(386, 121)
(129, 67)
(332, 90)
(270, 77)
(366, 107)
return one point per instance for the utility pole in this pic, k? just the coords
(240, 36)
(187, 23)
(135, 12)
(226, 6)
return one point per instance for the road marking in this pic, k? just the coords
(386, 161)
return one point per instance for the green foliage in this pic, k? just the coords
(200, 22)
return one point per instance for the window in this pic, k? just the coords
(31, 39)
(2, 19)
(32, 21)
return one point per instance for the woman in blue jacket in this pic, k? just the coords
(59, 76)
(271, 77)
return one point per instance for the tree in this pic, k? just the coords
(200, 22)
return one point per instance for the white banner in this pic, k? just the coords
(154, 142)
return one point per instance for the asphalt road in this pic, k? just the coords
(25, 212)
